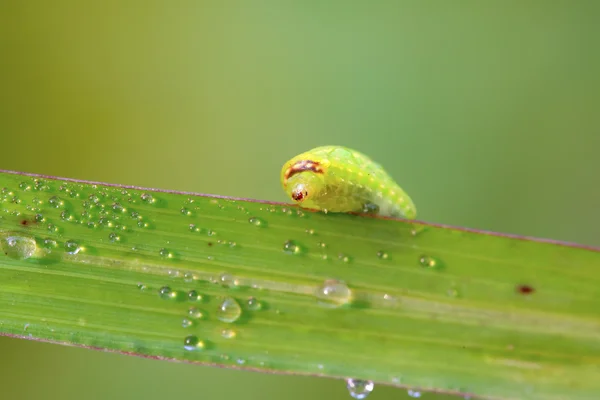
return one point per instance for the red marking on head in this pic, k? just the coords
(525, 289)
(300, 166)
(298, 195)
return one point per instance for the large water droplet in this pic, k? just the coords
(72, 247)
(291, 247)
(18, 247)
(186, 323)
(229, 310)
(334, 293)
(359, 389)
(114, 237)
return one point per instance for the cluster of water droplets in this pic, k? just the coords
(103, 209)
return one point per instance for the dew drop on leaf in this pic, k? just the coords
(228, 333)
(72, 247)
(192, 343)
(165, 292)
(194, 296)
(333, 293)
(428, 261)
(256, 221)
(359, 389)
(254, 304)
(17, 246)
(229, 310)
(290, 247)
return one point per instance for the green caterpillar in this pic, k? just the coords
(338, 179)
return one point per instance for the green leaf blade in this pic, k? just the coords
(431, 307)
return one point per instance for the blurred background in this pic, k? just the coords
(487, 113)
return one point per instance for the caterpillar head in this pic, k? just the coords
(304, 182)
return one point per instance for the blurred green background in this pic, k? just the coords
(487, 113)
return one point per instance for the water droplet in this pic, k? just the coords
(345, 258)
(118, 208)
(359, 389)
(186, 323)
(39, 218)
(165, 292)
(322, 245)
(210, 232)
(18, 247)
(256, 221)
(334, 293)
(165, 253)
(24, 186)
(194, 228)
(414, 393)
(66, 216)
(72, 247)
(427, 261)
(188, 277)
(310, 231)
(290, 247)
(185, 211)
(55, 202)
(226, 280)
(228, 333)
(142, 287)
(382, 255)
(194, 296)
(114, 237)
(52, 228)
(229, 310)
(49, 244)
(142, 224)
(192, 343)
(193, 312)
(147, 198)
(253, 304)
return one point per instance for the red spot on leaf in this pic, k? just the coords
(525, 289)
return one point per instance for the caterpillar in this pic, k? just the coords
(339, 179)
